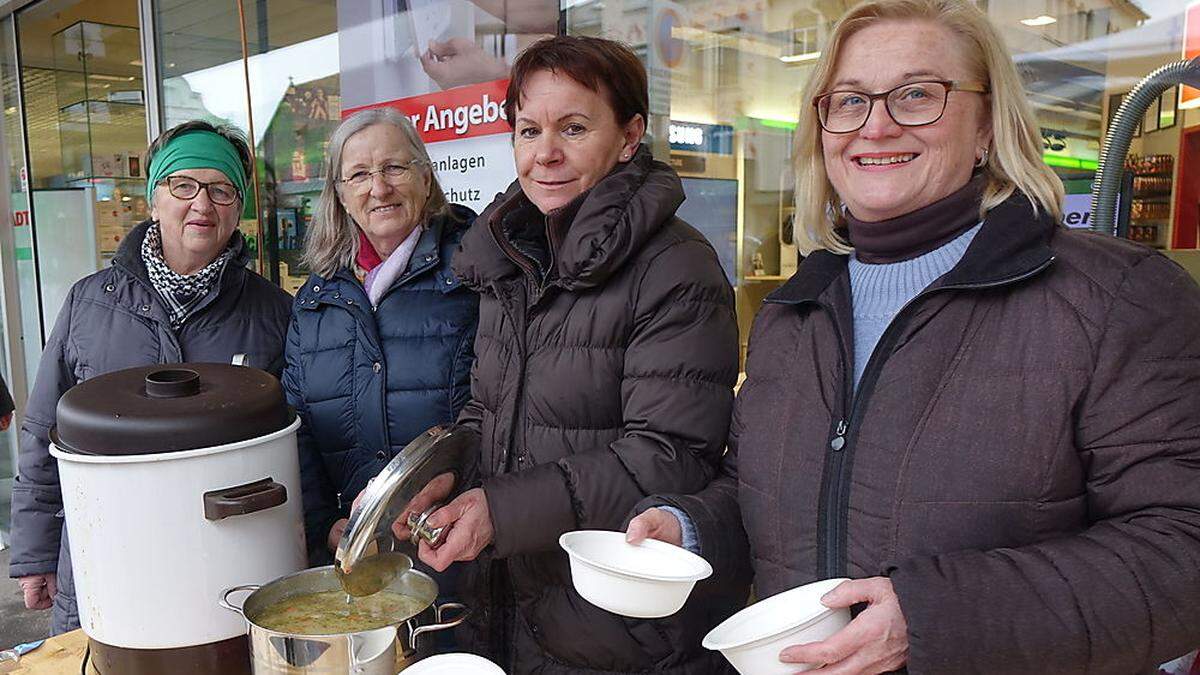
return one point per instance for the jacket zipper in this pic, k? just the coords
(400, 282)
(839, 465)
(517, 432)
(835, 473)
(374, 341)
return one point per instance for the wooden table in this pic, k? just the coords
(61, 655)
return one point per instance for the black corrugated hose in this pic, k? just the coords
(1116, 141)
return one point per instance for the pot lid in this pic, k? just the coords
(435, 452)
(169, 408)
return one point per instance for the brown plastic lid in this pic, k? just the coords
(169, 408)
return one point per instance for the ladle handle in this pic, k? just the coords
(224, 601)
(418, 524)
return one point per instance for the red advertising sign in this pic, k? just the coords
(463, 112)
(1190, 97)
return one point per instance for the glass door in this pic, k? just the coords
(14, 264)
(74, 131)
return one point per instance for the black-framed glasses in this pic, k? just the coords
(394, 173)
(913, 104)
(186, 188)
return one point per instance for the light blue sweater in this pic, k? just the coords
(879, 292)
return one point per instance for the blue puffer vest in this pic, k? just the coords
(365, 382)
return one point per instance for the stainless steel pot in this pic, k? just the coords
(382, 651)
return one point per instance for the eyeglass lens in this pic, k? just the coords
(394, 174)
(182, 187)
(909, 105)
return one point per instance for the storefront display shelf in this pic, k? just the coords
(120, 205)
(141, 107)
(300, 187)
(75, 179)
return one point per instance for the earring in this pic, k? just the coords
(981, 161)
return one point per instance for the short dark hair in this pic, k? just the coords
(605, 66)
(229, 133)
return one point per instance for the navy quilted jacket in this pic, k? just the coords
(365, 382)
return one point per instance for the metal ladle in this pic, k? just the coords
(373, 573)
(360, 565)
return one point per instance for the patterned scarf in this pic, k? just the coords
(182, 293)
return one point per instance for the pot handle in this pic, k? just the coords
(243, 499)
(224, 601)
(442, 623)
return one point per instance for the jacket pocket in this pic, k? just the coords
(574, 632)
(654, 641)
(933, 528)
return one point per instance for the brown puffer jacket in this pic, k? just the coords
(609, 381)
(1021, 458)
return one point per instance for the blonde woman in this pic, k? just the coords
(985, 420)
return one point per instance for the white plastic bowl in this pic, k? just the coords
(752, 639)
(454, 664)
(647, 581)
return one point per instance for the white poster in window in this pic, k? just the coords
(445, 65)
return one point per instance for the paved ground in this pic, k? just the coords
(18, 624)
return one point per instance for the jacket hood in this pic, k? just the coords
(614, 221)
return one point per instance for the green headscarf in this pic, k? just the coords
(198, 149)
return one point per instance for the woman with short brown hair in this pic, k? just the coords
(606, 357)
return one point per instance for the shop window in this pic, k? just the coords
(82, 88)
(313, 62)
(746, 61)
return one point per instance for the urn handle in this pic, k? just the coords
(243, 499)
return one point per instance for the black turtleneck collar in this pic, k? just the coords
(918, 232)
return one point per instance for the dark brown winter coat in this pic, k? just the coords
(604, 374)
(1021, 458)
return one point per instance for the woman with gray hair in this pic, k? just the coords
(380, 344)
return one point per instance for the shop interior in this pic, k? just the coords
(727, 77)
(725, 82)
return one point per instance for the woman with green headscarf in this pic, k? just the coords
(178, 290)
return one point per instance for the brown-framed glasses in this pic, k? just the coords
(186, 188)
(912, 104)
